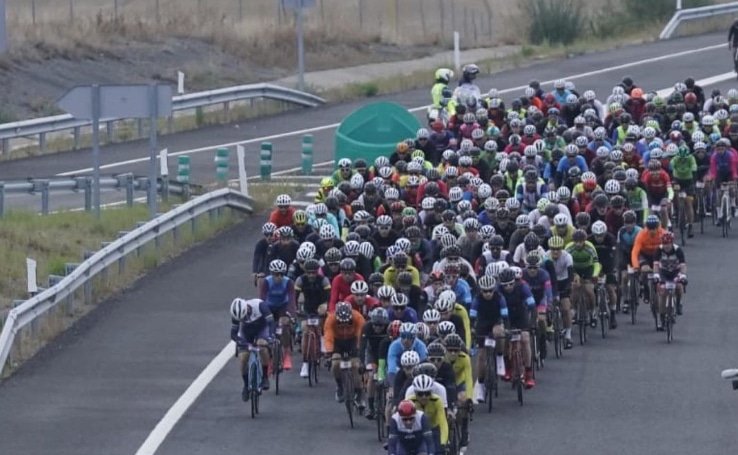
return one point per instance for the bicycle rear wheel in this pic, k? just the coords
(348, 394)
(254, 388)
(633, 290)
(453, 438)
(603, 311)
(311, 356)
(490, 376)
(557, 338)
(277, 363)
(380, 405)
(682, 220)
(669, 319)
(582, 321)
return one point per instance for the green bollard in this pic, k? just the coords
(266, 161)
(307, 154)
(183, 169)
(221, 166)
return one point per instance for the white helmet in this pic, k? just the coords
(446, 301)
(431, 315)
(599, 227)
(409, 359)
(283, 200)
(359, 287)
(423, 383)
(239, 308)
(561, 220)
(612, 186)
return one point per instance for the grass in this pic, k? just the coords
(53, 241)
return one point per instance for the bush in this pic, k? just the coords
(554, 21)
(656, 10)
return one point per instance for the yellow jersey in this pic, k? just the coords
(435, 412)
(460, 311)
(463, 372)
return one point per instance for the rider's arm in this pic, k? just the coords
(358, 321)
(440, 414)
(427, 430)
(329, 335)
(393, 437)
(291, 299)
(636, 251)
(264, 289)
(235, 325)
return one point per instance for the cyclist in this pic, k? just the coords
(539, 282)
(407, 341)
(645, 245)
(733, 42)
(724, 169)
(432, 406)
(658, 189)
(404, 377)
(343, 329)
(278, 291)
(315, 291)
(410, 432)
(461, 363)
(625, 241)
(669, 265)
(450, 310)
(444, 371)
(284, 212)
(360, 299)
(341, 284)
(520, 304)
(251, 323)
(605, 244)
(586, 266)
(487, 313)
(260, 262)
(564, 272)
(372, 336)
(684, 168)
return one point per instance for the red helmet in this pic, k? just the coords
(393, 329)
(589, 184)
(549, 99)
(667, 237)
(690, 98)
(406, 409)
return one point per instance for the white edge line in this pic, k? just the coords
(177, 411)
(180, 407)
(415, 109)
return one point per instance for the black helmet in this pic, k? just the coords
(332, 255)
(311, 265)
(376, 278)
(344, 312)
(629, 217)
(530, 241)
(348, 265)
(405, 278)
(579, 235)
(506, 276)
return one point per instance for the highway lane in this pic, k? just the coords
(655, 75)
(102, 387)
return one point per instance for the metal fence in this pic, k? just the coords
(704, 12)
(77, 286)
(402, 21)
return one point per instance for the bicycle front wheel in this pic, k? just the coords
(276, 363)
(348, 394)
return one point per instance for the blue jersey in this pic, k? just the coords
(395, 352)
(408, 315)
(579, 162)
(277, 295)
(627, 239)
(463, 292)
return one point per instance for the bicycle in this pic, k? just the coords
(535, 352)
(602, 309)
(653, 298)
(490, 378)
(725, 208)
(516, 355)
(582, 321)
(380, 404)
(254, 383)
(312, 349)
(670, 316)
(277, 357)
(700, 209)
(454, 434)
(632, 292)
(558, 327)
(347, 383)
(680, 214)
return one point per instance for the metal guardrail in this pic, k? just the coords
(128, 182)
(42, 126)
(113, 253)
(696, 13)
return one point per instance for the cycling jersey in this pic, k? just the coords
(463, 372)
(460, 312)
(341, 289)
(488, 313)
(395, 352)
(585, 260)
(315, 292)
(561, 265)
(683, 168)
(343, 338)
(520, 301)
(278, 296)
(257, 325)
(669, 261)
(416, 439)
(436, 414)
(436, 389)
(605, 252)
(646, 243)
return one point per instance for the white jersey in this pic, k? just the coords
(521, 253)
(561, 265)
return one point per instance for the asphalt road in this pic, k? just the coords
(103, 386)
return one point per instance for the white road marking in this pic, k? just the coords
(166, 424)
(415, 109)
(177, 411)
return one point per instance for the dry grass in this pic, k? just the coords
(56, 240)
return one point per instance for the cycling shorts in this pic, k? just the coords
(686, 185)
(251, 336)
(645, 259)
(347, 347)
(278, 312)
(563, 289)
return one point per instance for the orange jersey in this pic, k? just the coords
(645, 243)
(334, 331)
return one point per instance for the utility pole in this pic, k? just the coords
(3, 28)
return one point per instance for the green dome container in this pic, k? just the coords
(374, 130)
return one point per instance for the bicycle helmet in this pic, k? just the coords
(445, 328)
(667, 237)
(385, 292)
(436, 350)
(344, 312)
(409, 358)
(532, 259)
(425, 368)
(453, 342)
(278, 266)
(399, 300)
(406, 409)
(347, 265)
(408, 330)
(556, 242)
(506, 276)
(423, 331)
(652, 222)
(561, 220)
(239, 309)
(359, 287)
(599, 228)
(379, 316)
(487, 283)
(446, 301)
(579, 235)
(303, 254)
(423, 383)
(268, 228)
(431, 316)
(629, 217)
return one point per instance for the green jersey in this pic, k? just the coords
(683, 168)
(586, 262)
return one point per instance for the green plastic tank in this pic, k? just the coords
(374, 130)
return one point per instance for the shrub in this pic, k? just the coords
(554, 21)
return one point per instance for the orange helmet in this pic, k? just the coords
(402, 147)
(636, 93)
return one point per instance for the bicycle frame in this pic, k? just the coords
(670, 317)
(602, 308)
(255, 376)
(347, 381)
(312, 354)
(518, 370)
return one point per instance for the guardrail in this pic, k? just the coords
(41, 127)
(81, 275)
(128, 182)
(696, 13)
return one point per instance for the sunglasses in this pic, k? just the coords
(435, 359)
(277, 274)
(423, 394)
(453, 351)
(407, 336)
(487, 291)
(409, 419)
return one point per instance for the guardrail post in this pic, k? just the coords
(307, 154)
(109, 126)
(2, 199)
(129, 190)
(44, 196)
(6, 146)
(183, 175)
(42, 142)
(221, 166)
(266, 161)
(88, 194)
(75, 137)
(71, 301)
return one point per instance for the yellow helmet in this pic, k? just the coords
(327, 182)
